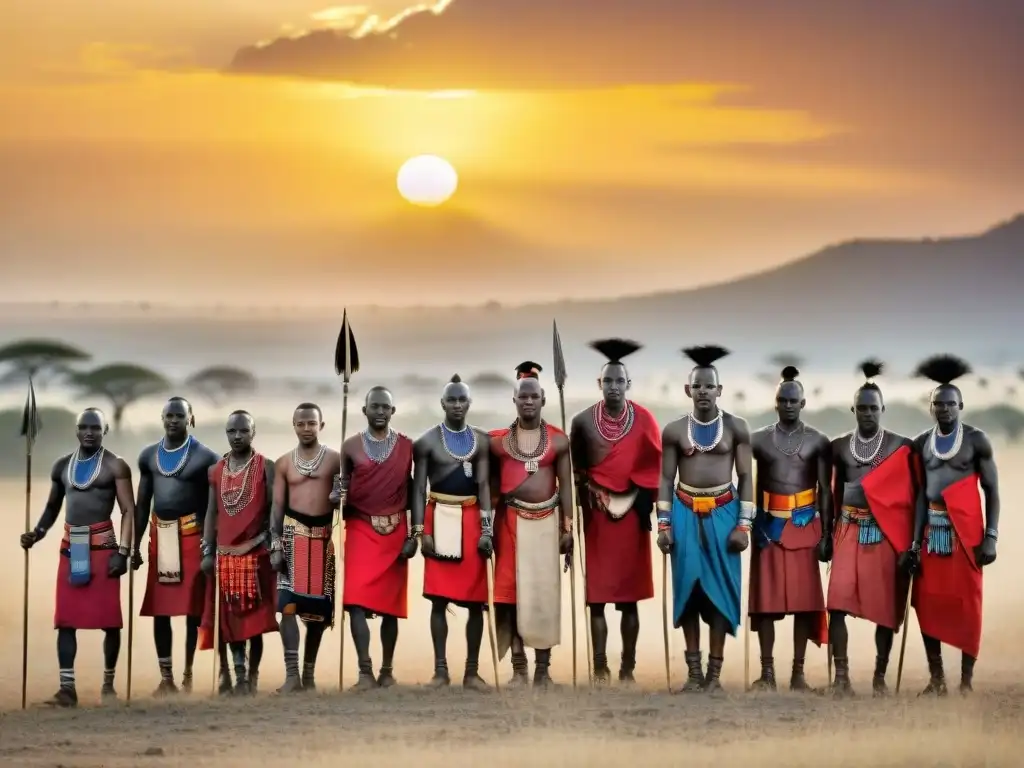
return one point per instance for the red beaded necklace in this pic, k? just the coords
(613, 428)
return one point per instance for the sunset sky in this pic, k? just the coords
(199, 150)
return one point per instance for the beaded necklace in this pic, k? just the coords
(788, 450)
(874, 446)
(166, 458)
(307, 467)
(531, 458)
(613, 428)
(704, 435)
(236, 497)
(952, 442)
(459, 444)
(82, 473)
(379, 450)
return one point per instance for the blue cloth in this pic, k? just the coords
(716, 570)
(768, 528)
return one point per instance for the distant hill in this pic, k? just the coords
(900, 299)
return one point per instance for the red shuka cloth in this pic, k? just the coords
(618, 552)
(463, 582)
(96, 605)
(512, 475)
(187, 597)
(375, 578)
(948, 590)
(865, 580)
(785, 578)
(248, 579)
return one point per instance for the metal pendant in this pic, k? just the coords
(467, 467)
(532, 466)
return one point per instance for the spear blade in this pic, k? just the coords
(560, 373)
(30, 421)
(346, 355)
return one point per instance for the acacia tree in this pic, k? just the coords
(221, 382)
(122, 384)
(45, 360)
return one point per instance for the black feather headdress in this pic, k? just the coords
(528, 370)
(705, 356)
(871, 368)
(615, 350)
(943, 369)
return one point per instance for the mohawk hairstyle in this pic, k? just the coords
(943, 369)
(528, 370)
(705, 356)
(615, 350)
(790, 373)
(455, 379)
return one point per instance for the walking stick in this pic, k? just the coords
(30, 426)
(131, 628)
(664, 620)
(216, 621)
(560, 377)
(746, 653)
(828, 629)
(491, 619)
(346, 362)
(903, 642)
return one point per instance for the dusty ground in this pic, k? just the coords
(610, 727)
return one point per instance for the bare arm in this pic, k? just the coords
(824, 490)
(563, 468)
(210, 526)
(54, 501)
(985, 465)
(669, 469)
(578, 449)
(344, 475)
(144, 502)
(125, 495)
(420, 479)
(917, 475)
(279, 498)
(838, 489)
(483, 476)
(744, 463)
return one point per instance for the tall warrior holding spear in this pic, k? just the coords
(90, 480)
(616, 458)
(959, 539)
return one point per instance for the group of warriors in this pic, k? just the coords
(882, 508)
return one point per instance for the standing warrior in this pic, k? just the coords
(873, 500)
(532, 465)
(174, 488)
(301, 549)
(961, 539)
(794, 474)
(456, 522)
(91, 563)
(706, 525)
(235, 547)
(616, 458)
(373, 490)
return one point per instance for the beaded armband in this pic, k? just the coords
(992, 533)
(664, 524)
(206, 548)
(486, 525)
(124, 551)
(747, 512)
(664, 506)
(417, 531)
(275, 544)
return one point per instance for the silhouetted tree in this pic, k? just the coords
(220, 382)
(122, 384)
(491, 380)
(781, 359)
(43, 359)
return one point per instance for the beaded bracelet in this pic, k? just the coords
(992, 533)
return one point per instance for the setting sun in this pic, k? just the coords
(427, 180)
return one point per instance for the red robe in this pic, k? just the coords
(512, 475)
(865, 580)
(618, 551)
(248, 585)
(376, 579)
(187, 597)
(96, 605)
(948, 590)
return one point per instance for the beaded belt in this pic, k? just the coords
(782, 505)
(103, 538)
(187, 525)
(306, 531)
(533, 510)
(445, 498)
(704, 505)
(869, 533)
(244, 548)
(940, 532)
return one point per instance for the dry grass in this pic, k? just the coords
(611, 727)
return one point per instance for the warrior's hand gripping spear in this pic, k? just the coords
(560, 377)
(346, 362)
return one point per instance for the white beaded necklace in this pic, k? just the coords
(958, 441)
(877, 441)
